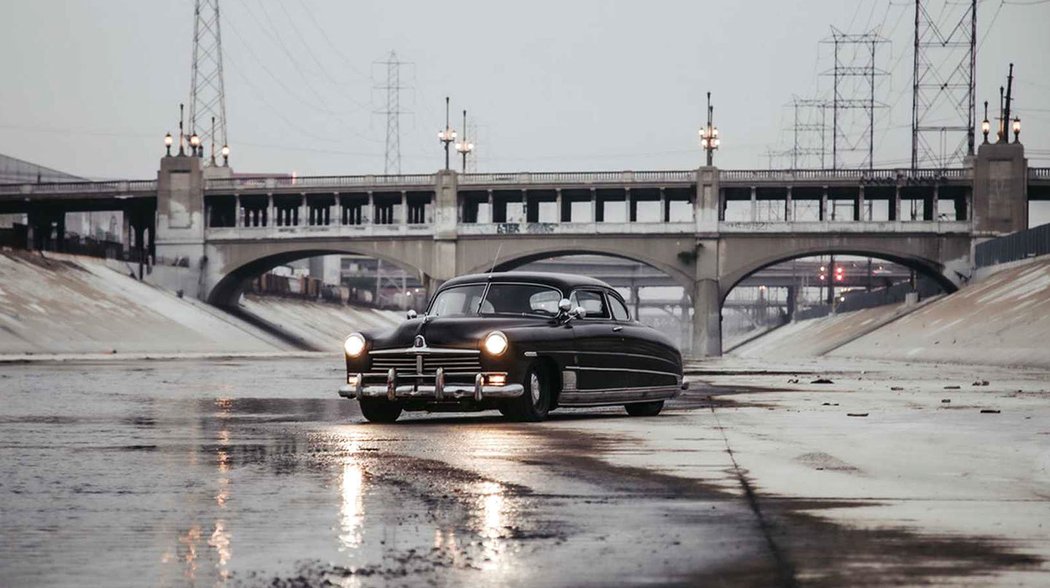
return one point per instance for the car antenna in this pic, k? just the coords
(496, 258)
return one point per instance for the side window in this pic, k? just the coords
(591, 301)
(619, 311)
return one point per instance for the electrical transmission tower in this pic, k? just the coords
(809, 132)
(943, 106)
(853, 96)
(207, 92)
(393, 112)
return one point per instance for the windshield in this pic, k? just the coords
(501, 298)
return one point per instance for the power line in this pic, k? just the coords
(850, 84)
(393, 112)
(207, 89)
(945, 59)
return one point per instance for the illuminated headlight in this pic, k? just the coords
(495, 343)
(354, 344)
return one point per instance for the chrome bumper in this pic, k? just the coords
(439, 390)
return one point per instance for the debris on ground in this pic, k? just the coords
(857, 414)
(945, 400)
(822, 381)
(793, 381)
(951, 387)
(990, 411)
(981, 383)
(896, 388)
(830, 404)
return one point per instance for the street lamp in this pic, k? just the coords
(182, 136)
(448, 135)
(709, 135)
(225, 156)
(464, 147)
(1017, 129)
(986, 127)
(195, 143)
(167, 143)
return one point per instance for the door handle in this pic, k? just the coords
(617, 329)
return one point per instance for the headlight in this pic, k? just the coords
(495, 343)
(354, 344)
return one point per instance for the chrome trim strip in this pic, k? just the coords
(425, 351)
(530, 354)
(616, 353)
(632, 370)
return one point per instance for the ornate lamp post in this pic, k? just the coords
(709, 135)
(447, 136)
(225, 156)
(167, 144)
(464, 147)
(195, 145)
(1017, 129)
(986, 126)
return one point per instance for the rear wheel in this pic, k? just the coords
(645, 408)
(380, 410)
(534, 404)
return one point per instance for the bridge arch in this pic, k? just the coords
(932, 264)
(518, 257)
(234, 267)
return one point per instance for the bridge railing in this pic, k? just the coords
(262, 182)
(598, 177)
(110, 187)
(1020, 245)
(861, 175)
(1039, 173)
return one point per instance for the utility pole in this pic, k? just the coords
(207, 90)
(393, 112)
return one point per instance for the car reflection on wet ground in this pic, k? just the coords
(254, 472)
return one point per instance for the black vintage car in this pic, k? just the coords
(523, 343)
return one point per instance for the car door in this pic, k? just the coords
(651, 363)
(641, 353)
(597, 342)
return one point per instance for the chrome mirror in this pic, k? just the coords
(564, 305)
(411, 314)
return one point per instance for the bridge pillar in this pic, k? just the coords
(180, 216)
(707, 204)
(1000, 189)
(707, 319)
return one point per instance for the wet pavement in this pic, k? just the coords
(250, 472)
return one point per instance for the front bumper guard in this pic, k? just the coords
(440, 390)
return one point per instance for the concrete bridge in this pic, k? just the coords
(208, 231)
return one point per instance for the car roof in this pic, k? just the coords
(561, 281)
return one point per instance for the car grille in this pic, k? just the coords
(406, 363)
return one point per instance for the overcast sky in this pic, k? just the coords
(91, 86)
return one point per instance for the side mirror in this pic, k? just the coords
(411, 314)
(564, 305)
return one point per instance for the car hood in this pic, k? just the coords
(454, 332)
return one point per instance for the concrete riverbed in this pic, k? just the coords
(246, 471)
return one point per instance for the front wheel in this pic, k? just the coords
(380, 410)
(645, 408)
(534, 404)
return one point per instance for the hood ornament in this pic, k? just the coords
(420, 341)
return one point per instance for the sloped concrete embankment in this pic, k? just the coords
(1002, 319)
(54, 304)
(316, 325)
